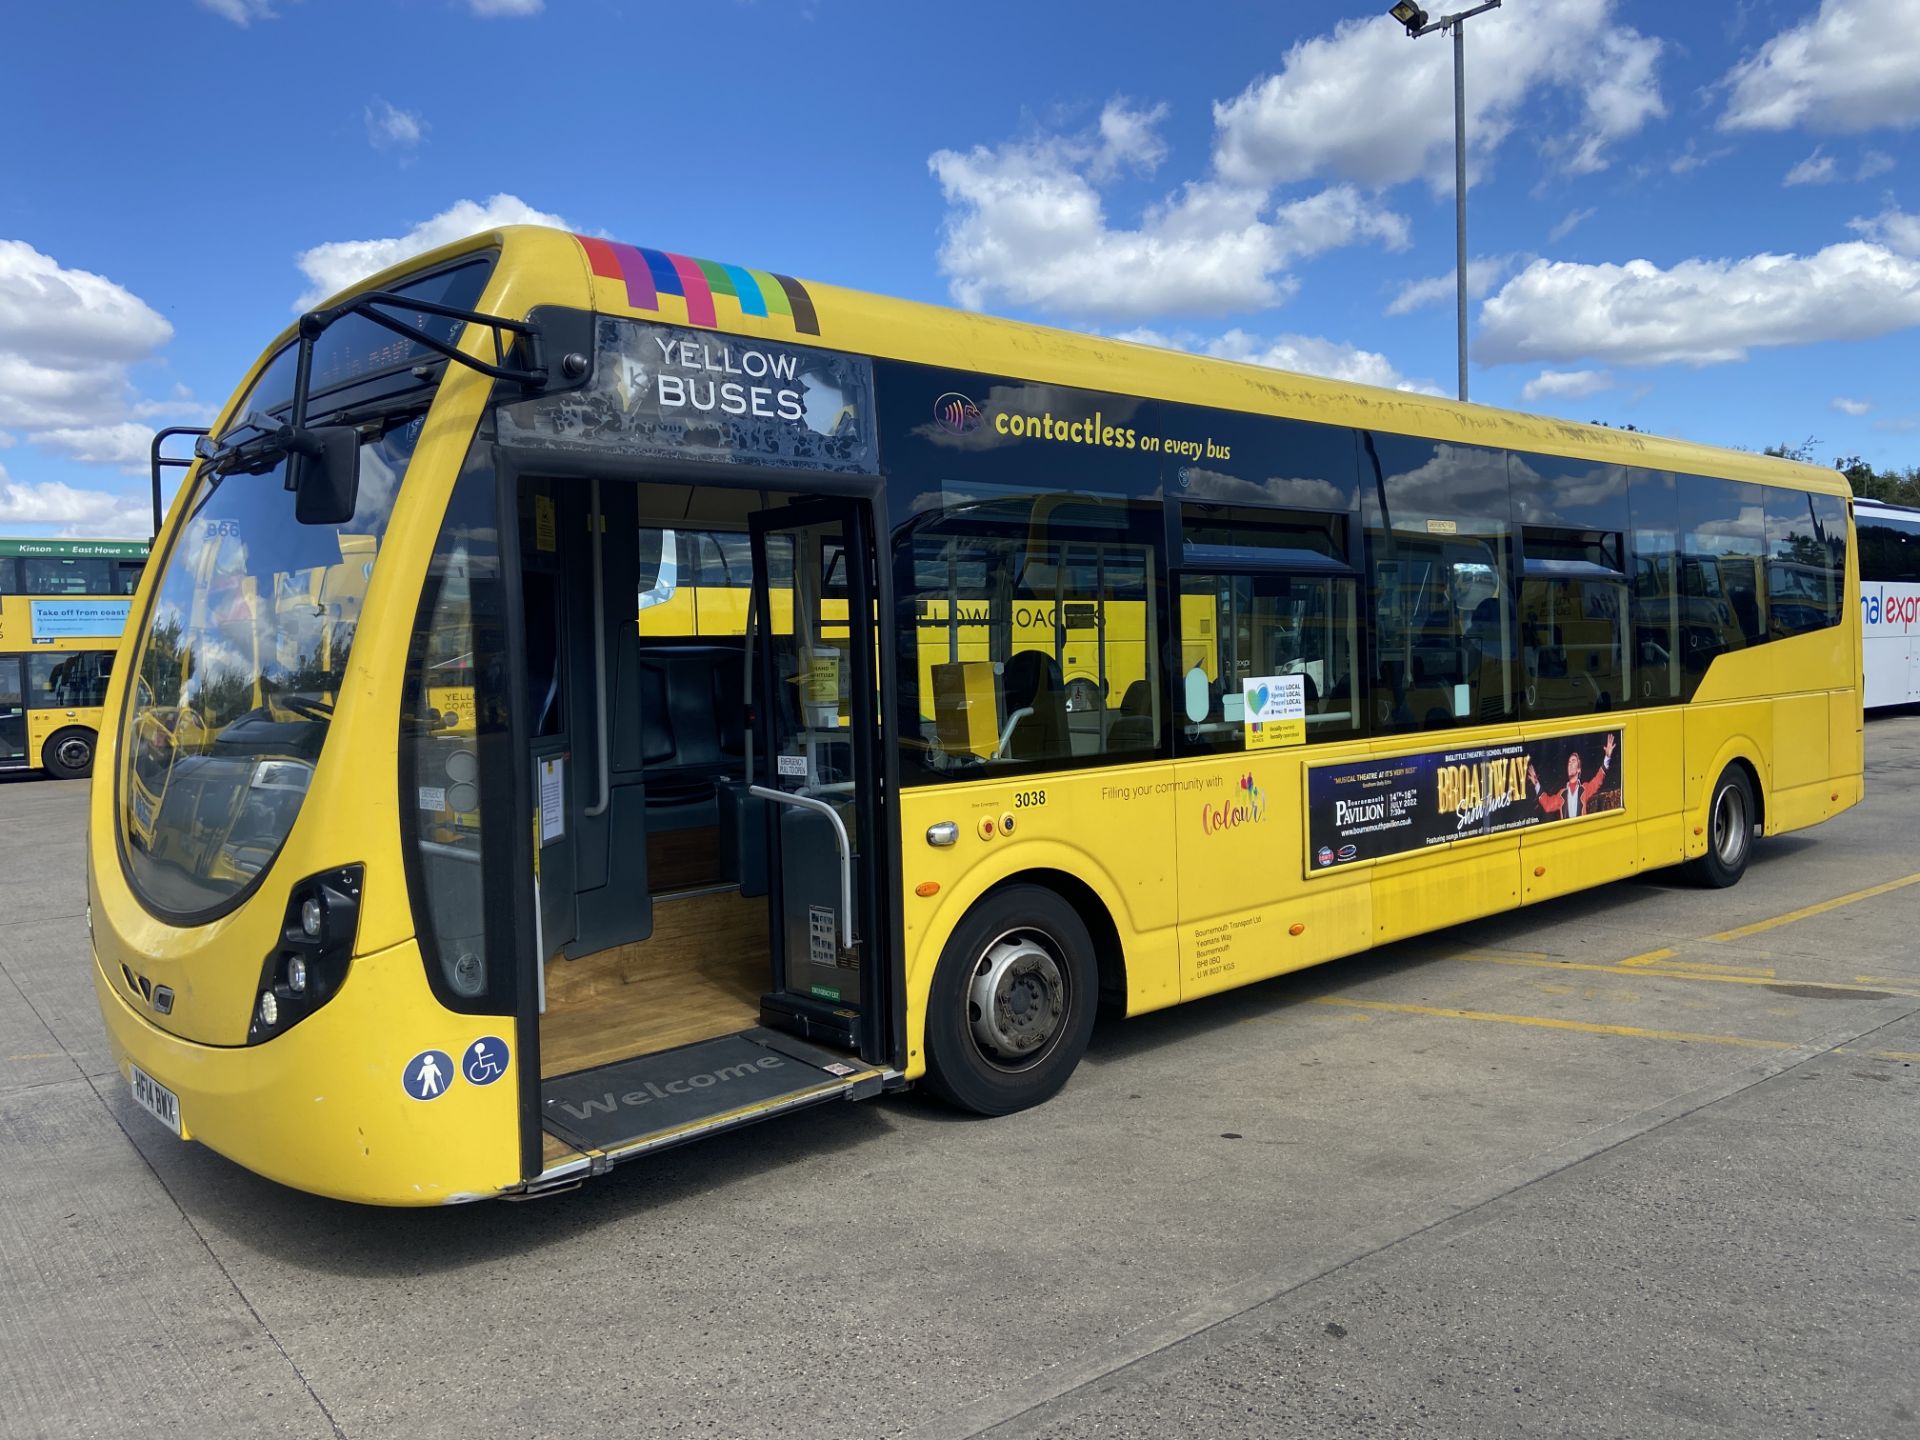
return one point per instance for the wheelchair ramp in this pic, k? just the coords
(653, 1101)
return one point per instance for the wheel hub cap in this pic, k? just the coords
(1017, 998)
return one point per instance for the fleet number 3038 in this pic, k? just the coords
(1022, 799)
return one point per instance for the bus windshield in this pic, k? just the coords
(253, 620)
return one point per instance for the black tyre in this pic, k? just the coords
(1012, 1003)
(69, 753)
(1730, 819)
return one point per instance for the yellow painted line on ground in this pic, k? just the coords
(1764, 972)
(1650, 958)
(1548, 1022)
(1767, 978)
(1886, 979)
(1911, 1057)
(1808, 911)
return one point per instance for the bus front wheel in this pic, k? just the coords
(1730, 818)
(68, 754)
(1012, 1004)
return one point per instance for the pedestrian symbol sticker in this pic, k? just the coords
(427, 1075)
(485, 1060)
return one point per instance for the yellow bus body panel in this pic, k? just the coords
(321, 1107)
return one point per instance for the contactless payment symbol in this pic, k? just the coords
(485, 1060)
(427, 1075)
(956, 412)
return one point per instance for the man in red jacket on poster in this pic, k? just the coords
(1577, 798)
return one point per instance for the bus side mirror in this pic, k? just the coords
(325, 477)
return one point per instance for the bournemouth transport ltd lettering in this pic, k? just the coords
(776, 397)
(705, 1080)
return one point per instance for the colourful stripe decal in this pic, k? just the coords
(804, 320)
(600, 257)
(771, 292)
(666, 279)
(649, 274)
(699, 297)
(747, 289)
(639, 279)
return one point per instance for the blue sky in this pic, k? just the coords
(1702, 219)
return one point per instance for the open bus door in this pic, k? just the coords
(726, 966)
(817, 766)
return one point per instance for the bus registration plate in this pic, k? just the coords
(156, 1099)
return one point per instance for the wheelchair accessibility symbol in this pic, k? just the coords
(485, 1060)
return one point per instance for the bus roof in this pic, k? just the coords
(545, 266)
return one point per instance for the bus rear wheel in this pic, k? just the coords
(1730, 818)
(68, 754)
(1012, 1004)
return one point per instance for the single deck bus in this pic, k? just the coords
(436, 877)
(1889, 601)
(63, 605)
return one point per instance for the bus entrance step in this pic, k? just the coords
(658, 1100)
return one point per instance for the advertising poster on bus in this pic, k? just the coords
(1371, 809)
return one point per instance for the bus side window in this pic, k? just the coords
(1573, 623)
(1244, 634)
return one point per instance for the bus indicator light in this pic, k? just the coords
(927, 889)
(1298, 927)
(269, 1009)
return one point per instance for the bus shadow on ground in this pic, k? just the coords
(333, 1237)
(1116, 1040)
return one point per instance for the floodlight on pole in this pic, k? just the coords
(1417, 23)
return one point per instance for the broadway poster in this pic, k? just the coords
(1370, 809)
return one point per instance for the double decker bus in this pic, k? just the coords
(1889, 601)
(476, 887)
(63, 605)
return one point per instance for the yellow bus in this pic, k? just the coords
(63, 605)
(1389, 663)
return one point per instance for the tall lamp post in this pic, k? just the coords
(1417, 23)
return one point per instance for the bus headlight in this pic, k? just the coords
(309, 965)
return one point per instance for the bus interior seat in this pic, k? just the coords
(1134, 730)
(1033, 684)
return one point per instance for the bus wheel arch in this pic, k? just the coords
(1734, 812)
(1012, 1000)
(69, 751)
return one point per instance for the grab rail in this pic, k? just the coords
(807, 802)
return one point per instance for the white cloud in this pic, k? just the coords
(240, 12)
(506, 7)
(77, 511)
(390, 128)
(126, 443)
(1874, 162)
(1129, 140)
(1849, 68)
(1366, 105)
(1894, 229)
(1483, 273)
(1816, 169)
(1302, 354)
(1692, 158)
(339, 263)
(1573, 221)
(1855, 408)
(1699, 312)
(1027, 226)
(67, 338)
(1566, 384)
